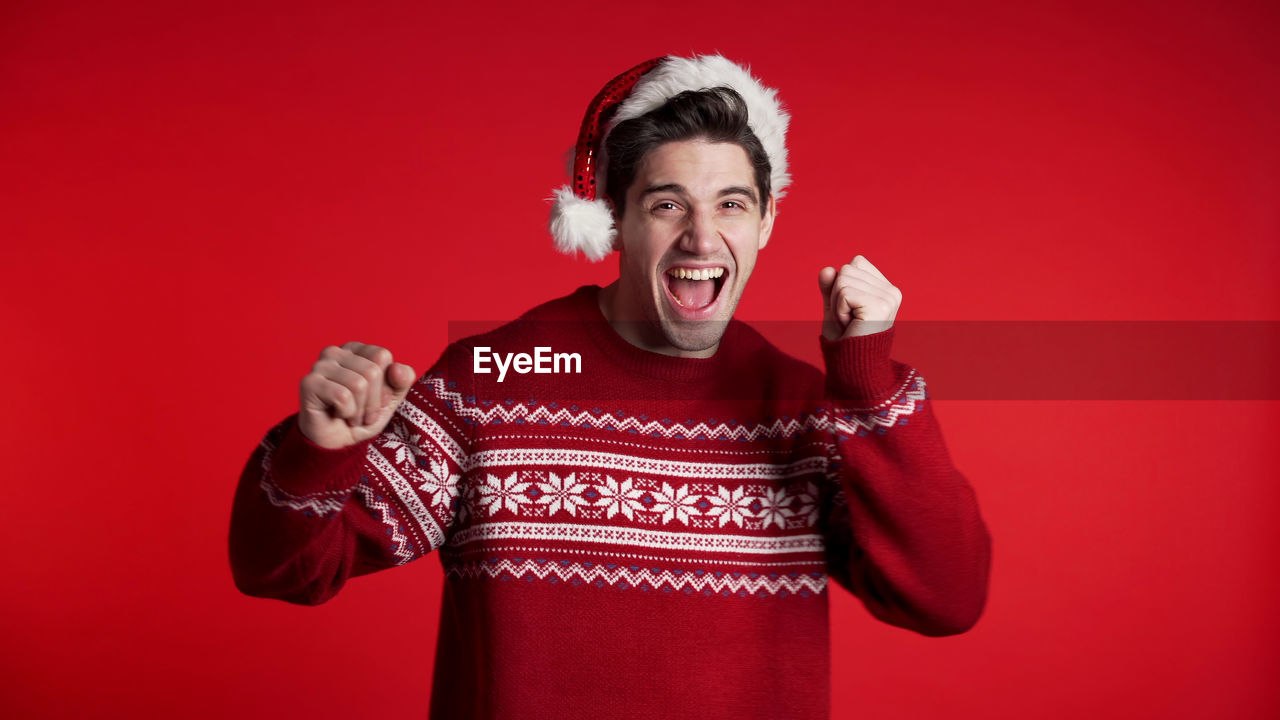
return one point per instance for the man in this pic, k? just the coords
(637, 500)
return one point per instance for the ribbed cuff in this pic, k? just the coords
(301, 467)
(859, 371)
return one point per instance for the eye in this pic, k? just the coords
(734, 205)
(665, 206)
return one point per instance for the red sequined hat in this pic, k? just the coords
(581, 219)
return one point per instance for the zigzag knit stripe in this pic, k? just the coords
(902, 402)
(623, 577)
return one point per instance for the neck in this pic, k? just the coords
(639, 331)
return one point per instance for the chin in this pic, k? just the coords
(698, 336)
(701, 333)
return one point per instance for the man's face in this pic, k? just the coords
(693, 212)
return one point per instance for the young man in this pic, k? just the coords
(637, 500)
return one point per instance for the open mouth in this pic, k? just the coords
(694, 289)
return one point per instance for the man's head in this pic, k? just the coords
(691, 154)
(690, 188)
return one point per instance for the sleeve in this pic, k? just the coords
(904, 533)
(305, 518)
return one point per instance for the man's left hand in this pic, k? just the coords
(859, 300)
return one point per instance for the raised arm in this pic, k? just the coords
(904, 532)
(364, 477)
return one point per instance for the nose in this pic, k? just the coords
(701, 236)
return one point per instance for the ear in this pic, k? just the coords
(766, 222)
(617, 224)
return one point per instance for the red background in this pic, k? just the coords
(197, 197)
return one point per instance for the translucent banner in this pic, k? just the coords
(1041, 360)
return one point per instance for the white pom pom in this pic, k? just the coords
(581, 225)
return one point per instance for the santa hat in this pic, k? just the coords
(580, 216)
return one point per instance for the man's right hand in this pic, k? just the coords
(350, 394)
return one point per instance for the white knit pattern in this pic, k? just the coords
(694, 581)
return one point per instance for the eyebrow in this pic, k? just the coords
(680, 190)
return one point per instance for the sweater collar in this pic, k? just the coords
(634, 360)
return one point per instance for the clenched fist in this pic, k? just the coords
(350, 394)
(859, 300)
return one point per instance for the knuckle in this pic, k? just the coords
(365, 369)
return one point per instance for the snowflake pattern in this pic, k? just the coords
(414, 460)
(554, 492)
(510, 493)
(738, 506)
(592, 495)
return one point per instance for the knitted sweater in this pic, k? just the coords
(649, 537)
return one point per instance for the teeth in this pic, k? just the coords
(696, 274)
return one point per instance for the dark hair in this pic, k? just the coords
(717, 114)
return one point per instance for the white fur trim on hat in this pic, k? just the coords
(578, 224)
(765, 115)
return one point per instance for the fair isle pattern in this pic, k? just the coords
(600, 496)
(439, 484)
(400, 546)
(421, 462)
(893, 411)
(399, 484)
(900, 404)
(449, 555)
(439, 436)
(639, 537)
(623, 577)
(415, 462)
(523, 457)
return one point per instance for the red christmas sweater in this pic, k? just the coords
(649, 537)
